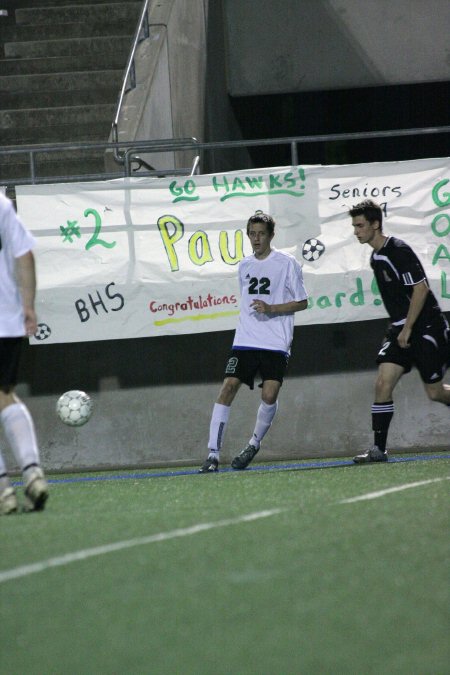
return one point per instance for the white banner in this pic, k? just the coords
(140, 257)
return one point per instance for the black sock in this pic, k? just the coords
(382, 414)
(379, 439)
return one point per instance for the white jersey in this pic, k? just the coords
(15, 241)
(275, 280)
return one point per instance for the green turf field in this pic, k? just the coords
(274, 572)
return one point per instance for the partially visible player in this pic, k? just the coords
(272, 290)
(17, 318)
(418, 333)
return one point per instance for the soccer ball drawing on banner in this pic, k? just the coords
(43, 331)
(74, 408)
(312, 249)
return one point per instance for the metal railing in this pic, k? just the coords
(181, 144)
(129, 79)
(33, 152)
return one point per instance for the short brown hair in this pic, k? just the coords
(370, 210)
(261, 217)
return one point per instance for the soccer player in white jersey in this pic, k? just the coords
(272, 290)
(17, 318)
(418, 333)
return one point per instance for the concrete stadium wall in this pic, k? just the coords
(299, 46)
(170, 67)
(181, 87)
(153, 399)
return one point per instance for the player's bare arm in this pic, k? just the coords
(26, 279)
(418, 299)
(293, 306)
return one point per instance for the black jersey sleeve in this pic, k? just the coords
(406, 263)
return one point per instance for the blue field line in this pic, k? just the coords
(268, 467)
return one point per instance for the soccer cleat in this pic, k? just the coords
(210, 465)
(372, 455)
(243, 459)
(8, 501)
(36, 489)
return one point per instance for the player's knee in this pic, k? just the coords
(435, 393)
(228, 391)
(270, 392)
(6, 397)
(383, 388)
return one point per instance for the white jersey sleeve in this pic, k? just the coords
(15, 241)
(276, 279)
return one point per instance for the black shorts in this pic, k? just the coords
(246, 363)
(429, 350)
(9, 361)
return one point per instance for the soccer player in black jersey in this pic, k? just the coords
(418, 333)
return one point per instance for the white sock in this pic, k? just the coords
(2, 465)
(20, 434)
(219, 421)
(266, 413)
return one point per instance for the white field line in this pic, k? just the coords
(398, 488)
(59, 561)
(41, 566)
